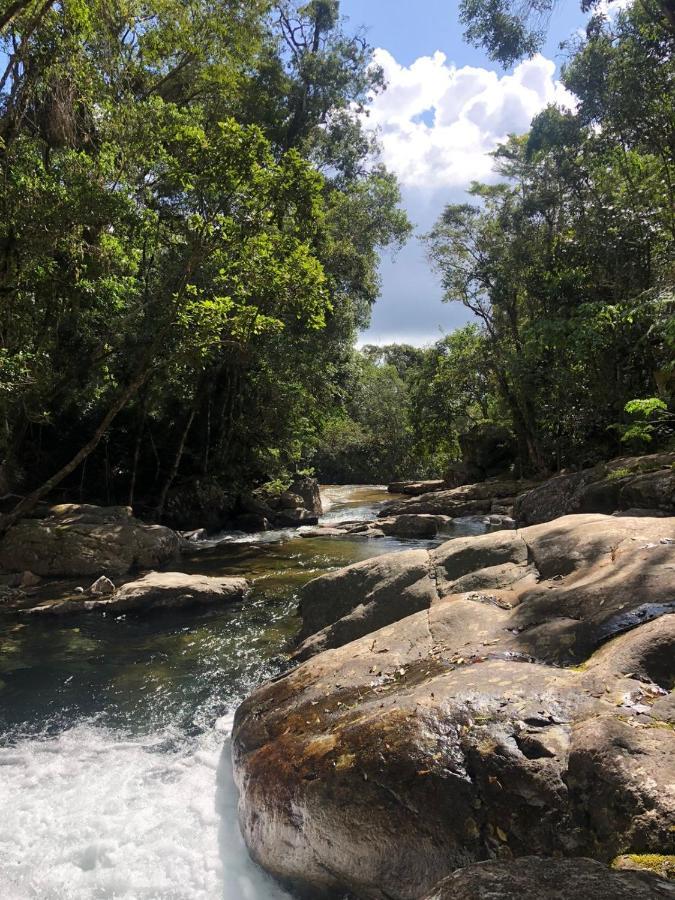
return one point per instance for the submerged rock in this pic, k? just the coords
(643, 482)
(86, 540)
(454, 734)
(156, 590)
(532, 878)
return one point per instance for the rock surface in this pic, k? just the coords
(646, 482)
(86, 540)
(532, 878)
(415, 488)
(467, 500)
(462, 732)
(404, 526)
(560, 583)
(308, 489)
(156, 590)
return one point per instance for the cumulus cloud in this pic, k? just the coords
(438, 123)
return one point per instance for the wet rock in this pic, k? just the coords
(570, 584)
(407, 526)
(101, 586)
(496, 521)
(199, 534)
(646, 482)
(415, 488)
(413, 526)
(467, 500)
(532, 878)
(86, 540)
(156, 590)
(294, 518)
(321, 531)
(308, 488)
(381, 767)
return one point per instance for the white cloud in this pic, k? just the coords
(611, 8)
(438, 123)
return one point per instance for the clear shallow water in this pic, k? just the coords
(115, 775)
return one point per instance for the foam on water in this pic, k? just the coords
(93, 814)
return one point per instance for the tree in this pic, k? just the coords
(508, 32)
(191, 219)
(567, 263)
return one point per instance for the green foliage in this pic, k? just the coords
(508, 32)
(370, 439)
(650, 418)
(567, 264)
(618, 474)
(191, 214)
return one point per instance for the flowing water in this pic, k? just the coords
(115, 773)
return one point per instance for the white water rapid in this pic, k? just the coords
(90, 815)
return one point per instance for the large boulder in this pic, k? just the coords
(343, 605)
(466, 500)
(293, 518)
(581, 579)
(86, 540)
(520, 707)
(646, 482)
(308, 489)
(533, 878)
(156, 590)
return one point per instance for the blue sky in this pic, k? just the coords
(447, 106)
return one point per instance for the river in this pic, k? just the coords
(115, 774)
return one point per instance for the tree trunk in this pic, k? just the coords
(30, 502)
(176, 463)
(528, 444)
(12, 10)
(137, 453)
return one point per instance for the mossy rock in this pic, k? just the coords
(659, 864)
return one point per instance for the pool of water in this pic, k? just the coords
(115, 775)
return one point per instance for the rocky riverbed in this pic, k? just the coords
(463, 708)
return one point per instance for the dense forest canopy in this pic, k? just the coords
(193, 212)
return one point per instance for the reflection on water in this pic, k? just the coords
(113, 778)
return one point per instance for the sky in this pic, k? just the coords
(447, 106)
